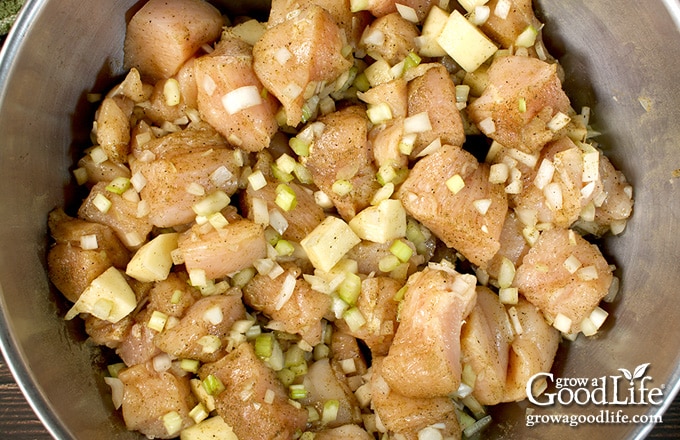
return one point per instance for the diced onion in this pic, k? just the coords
(354, 318)
(213, 202)
(498, 173)
(102, 203)
(241, 99)
(209, 343)
(545, 173)
(117, 389)
(553, 196)
(487, 126)
(417, 123)
(171, 92)
(527, 37)
(379, 113)
(209, 85)
(455, 183)
(221, 176)
(430, 433)
(502, 9)
(562, 323)
(572, 264)
(506, 273)
(161, 362)
(199, 413)
(172, 422)
(558, 122)
(480, 14)
(157, 321)
(407, 13)
(282, 55)
(508, 295)
(98, 155)
(587, 273)
(287, 289)
(89, 242)
(257, 180)
(482, 205)
(213, 315)
(514, 320)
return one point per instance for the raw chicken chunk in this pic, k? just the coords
(563, 274)
(149, 395)
(122, 215)
(342, 153)
(514, 245)
(222, 252)
(409, 415)
(505, 30)
(352, 23)
(378, 306)
(72, 268)
(138, 345)
(424, 359)
(532, 351)
(301, 220)
(290, 302)
(390, 38)
(231, 97)
(380, 8)
(523, 96)
(296, 57)
(208, 318)
(485, 343)
(325, 381)
(247, 381)
(469, 220)
(435, 93)
(113, 130)
(164, 34)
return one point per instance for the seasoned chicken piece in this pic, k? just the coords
(302, 219)
(174, 295)
(386, 140)
(121, 215)
(505, 30)
(138, 345)
(409, 415)
(484, 345)
(394, 93)
(354, 432)
(106, 333)
(296, 57)
(206, 322)
(231, 97)
(563, 274)
(435, 93)
(164, 34)
(378, 306)
(618, 204)
(390, 37)
(102, 172)
(424, 359)
(324, 381)
(71, 267)
(559, 196)
(167, 103)
(149, 395)
(381, 8)
(368, 254)
(345, 346)
(352, 23)
(243, 404)
(113, 130)
(175, 183)
(449, 192)
(343, 154)
(523, 96)
(513, 244)
(531, 352)
(290, 302)
(225, 251)
(199, 136)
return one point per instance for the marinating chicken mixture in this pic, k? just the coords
(358, 219)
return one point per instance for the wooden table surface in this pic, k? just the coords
(18, 421)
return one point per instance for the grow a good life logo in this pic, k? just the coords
(609, 395)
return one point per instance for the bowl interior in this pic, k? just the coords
(621, 60)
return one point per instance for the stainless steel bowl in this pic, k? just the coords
(622, 59)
